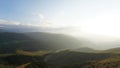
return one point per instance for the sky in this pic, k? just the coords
(92, 19)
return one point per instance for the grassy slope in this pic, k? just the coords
(58, 59)
(113, 50)
(10, 42)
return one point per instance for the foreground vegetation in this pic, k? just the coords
(62, 59)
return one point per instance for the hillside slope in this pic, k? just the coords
(9, 42)
(59, 59)
(86, 50)
(112, 50)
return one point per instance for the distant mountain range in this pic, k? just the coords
(9, 41)
(32, 41)
(19, 29)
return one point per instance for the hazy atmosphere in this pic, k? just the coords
(59, 34)
(97, 21)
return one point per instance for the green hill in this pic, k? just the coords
(112, 50)
(86, 50)
(62, 59)
(59, 59)
(10, 42)
(106, 63)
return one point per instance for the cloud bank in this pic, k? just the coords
(47, 26)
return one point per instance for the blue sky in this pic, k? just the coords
(25, 10)
(21, 10)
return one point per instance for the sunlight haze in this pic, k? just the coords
(92, 19)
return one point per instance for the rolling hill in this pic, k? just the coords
(86, 50)
(62, 58)
(9, 42)
(106, 63)
(112, 50)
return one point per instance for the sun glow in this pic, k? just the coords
(108, 24)
(104, 24)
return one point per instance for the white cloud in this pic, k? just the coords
(6, 22)
(41, 16)
(46, 26)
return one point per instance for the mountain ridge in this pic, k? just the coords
(36, 41)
